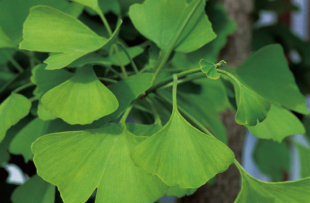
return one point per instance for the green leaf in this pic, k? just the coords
(93, 4)
(14, 13)
(34, 190)
(306, 122)
(12, 109)
(272, 158)
(49, 30)
(110, 5)
(110, 60)
(44, 114)
(256, 191)
(181, 155)
(23, 140)
(209, 69)
(103, 156)
(5, 41)
(222, 26)
(279, 124)
(181, 26)
(129, 89)
(143, 130)
(81, 99)
(252, 108)
(47, 79)
(178, 192)
(304, 157)
(266, 72)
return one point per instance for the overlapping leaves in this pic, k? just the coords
(49, 30)
(256, 191)
(81, 99)
(181, 26)
(102, 161)
(180, 154)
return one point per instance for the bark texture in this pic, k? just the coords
(227, 185)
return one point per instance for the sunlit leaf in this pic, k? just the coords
(110, 60)
(178, 192)
(304, 157)
(272, 158)
(81, 99)
(181, 155)
(181, 26)
(279, 124)
(13, 15)
(47, 79)
(93, 4)
(252, 108)
(34, 190)
(266, 72)
(12, 109)
(44, 114)
(143, 130)
(209, 69)
(49, 30)
(23, 140)
(256, 191)
(102, 161)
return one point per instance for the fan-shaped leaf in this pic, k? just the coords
(252, 108)
(12, 109)
(34, 190)
(181, 26)
(49, 30)
(23, 140)
(279, 124)
(266, 72)
(209, 69)
(93, 4)
(143, 130)
(256, 191)
(178, 192)
(44, 114)
(102, 161)
(81, 99)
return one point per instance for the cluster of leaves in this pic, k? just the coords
(272, 158)
(69, 113)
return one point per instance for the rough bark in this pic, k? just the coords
(227, 185)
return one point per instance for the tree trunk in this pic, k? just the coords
(238, 48)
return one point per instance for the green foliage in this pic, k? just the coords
(67, 91)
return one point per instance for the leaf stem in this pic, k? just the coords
(125, 115)
(229, 75)
(166, 54)
(179, 75)
(174, 92)
(6, 85)
(107, 80)
(13, 61)
(25, 86)
(154, 111)
(120, 61)
(130, 59)
(106, 24)
(114, 71)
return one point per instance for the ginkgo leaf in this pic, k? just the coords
(81, 99)
(252, 108)
(181, 25)
(34, 190)
(110, 60)
(256, 191)
(178, 192)
(279, 124)
(12, 109)
(44, 114)
(5, 41)
(23, 140)
(93, 4)
(143, 130)
(181, 155)
(78, 162)
(209, 69)
(47, 79)
(49, 30)
(267, 73)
